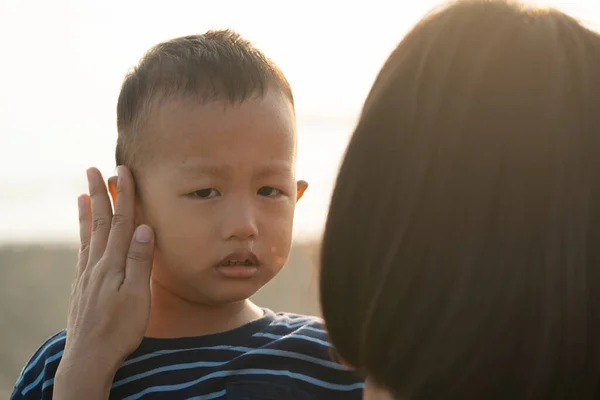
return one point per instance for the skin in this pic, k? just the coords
(372, 391)
(162, 281)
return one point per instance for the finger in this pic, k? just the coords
(101, 215)
(85, 232)
(123, 222)
(112, 189)
(139, 260)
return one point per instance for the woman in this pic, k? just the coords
(461, 257)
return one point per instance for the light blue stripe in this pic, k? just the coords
(289, 317)
(296, 323)
(222, 347)
(49, 382)
(41, 354)
(247, 350)
(300, 356)
(220, 374)
(163, 352)
(175, 367)
(281, 353)
(301, 337)
(209, 396)
(41, 375)
(310, 328)
(301, 326)
(33, 384)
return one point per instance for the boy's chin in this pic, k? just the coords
(215, 288)
(234, 297)
(221, 295)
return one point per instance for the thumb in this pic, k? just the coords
(139, 259)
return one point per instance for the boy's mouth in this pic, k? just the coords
(234, 262)
(241, 264)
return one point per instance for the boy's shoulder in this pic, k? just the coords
(296, 328)
(294, 321)
(294, 351)
(37, 377)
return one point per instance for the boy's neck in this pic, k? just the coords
(172, 316)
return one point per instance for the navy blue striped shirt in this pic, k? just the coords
(279, 356)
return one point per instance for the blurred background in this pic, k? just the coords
(61, 67)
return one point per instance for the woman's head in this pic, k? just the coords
(461, 256)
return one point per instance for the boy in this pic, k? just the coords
(206, 126)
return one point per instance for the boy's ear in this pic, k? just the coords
(112, 189)
(301, 188)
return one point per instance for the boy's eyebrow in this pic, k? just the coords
(276, 169)
(204, 169)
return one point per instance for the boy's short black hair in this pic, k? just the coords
(217, 65)
(461, 254)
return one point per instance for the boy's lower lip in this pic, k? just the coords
(237, 271)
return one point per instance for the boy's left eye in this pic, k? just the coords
(268, 191)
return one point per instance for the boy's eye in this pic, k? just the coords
(206, 193)
(268, 191)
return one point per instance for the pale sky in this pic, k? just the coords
(63, 61)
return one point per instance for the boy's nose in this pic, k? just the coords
(240, 223)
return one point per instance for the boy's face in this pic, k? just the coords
(219, 189)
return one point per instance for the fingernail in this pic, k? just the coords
(143, 234)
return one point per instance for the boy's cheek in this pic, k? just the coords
(280, 253)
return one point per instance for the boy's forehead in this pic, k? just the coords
(183, 115)
(211, 136)
(223, 168)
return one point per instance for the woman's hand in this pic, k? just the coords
(110, 299)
